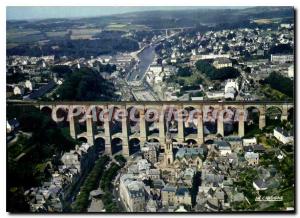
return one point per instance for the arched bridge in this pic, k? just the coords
(134, 127)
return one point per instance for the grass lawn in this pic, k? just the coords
(267, 21)
(288, 196)
(266, 143)
(125, 27)
(56, 33)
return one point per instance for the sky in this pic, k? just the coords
(40, 12)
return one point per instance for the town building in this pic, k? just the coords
(29, 85)
(11, 125)
(260, 185)
(283, 135)
(252, 158)
(282, 58)
(19, 90)
(250, 141)
(222, 62)
(132, 193)
(150, 152)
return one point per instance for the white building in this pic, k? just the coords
(291, 71)
(215, 95)
(143, 165)
(231, 89)
(283, 136)
(282, 58)
(249, 142)
(222, 62)
(77, 158)
(231, 84)
(29, 85)
(169, 70)
(19, 90)
(260, 185)
(174, 60)
(156, 69)
(132, 193)
(285, 25)
(252, 158)
(224, 148)
(159, 78)
(11, 125)
(210, 56)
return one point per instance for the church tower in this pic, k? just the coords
(169, 157)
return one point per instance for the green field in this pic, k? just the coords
(56, 33)
(267, 20)
(125, 27)
(84, 33)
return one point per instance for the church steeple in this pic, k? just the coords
(169, 157)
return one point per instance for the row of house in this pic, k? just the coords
(53, 195)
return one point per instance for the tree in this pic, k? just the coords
(281, 49)
(226, 48)
(248, 70)
(231, 36)
(121, 159)
(280, 83)
(90, 183)
(216, 74)
(184, 71)
(106, 68)
(61, 70)
(226, 73)
(195, 187)
(85, 85)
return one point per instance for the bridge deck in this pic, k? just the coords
(208, 102)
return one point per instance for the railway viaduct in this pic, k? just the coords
(106, 132)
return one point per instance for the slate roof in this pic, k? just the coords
(284, 132)
(182, 190)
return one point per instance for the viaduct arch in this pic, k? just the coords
(126, 136)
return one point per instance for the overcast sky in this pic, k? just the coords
(21, 12)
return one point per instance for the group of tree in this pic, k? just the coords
(91, 183)
(107, 187)
(109, 68)
(226, 48)
(281, 49)
(61, 70)
(121, 160)
(195, 187)
(77, 48)
(143, 35)
(85, 85)
(184, 71)
(44, 130)
(216, 74)
(15, 78)
(64, 70)
(46, 140)
(280, 83)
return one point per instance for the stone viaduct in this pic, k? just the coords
(108, 134)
